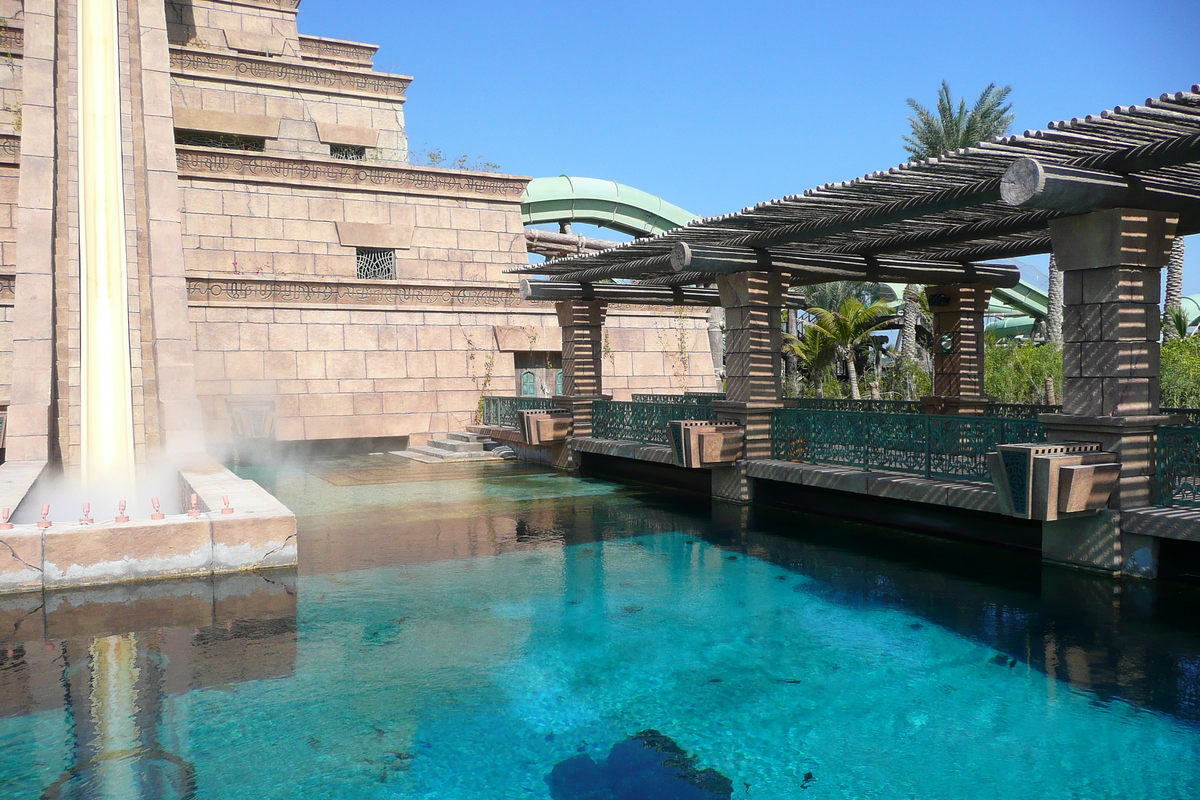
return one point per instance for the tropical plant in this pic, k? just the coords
(849, 328)
(1177, 324)
(1016, 372)
(1174, 295)
(955, 126)
(814, 352)
(1180, 383)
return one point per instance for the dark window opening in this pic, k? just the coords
(375, 264)
(225, 141)
(347, 152)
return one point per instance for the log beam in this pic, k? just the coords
(632, 293)
(1029, 183)
(808, 268)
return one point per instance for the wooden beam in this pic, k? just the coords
(1029, 183)
(637, 294)
(634, 293)
(809, 268)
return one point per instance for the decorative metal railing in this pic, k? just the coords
(875, 406)
(642, 422)
(1193, 414)
(685, 399)
(1020, 410)
(931, 445)
(503, 410)
(1178, 466)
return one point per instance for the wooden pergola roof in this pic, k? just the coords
(938, 217)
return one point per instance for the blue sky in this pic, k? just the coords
(716, 106)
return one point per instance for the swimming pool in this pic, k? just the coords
(458, 632)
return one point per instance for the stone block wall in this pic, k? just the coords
(294, 231)
(225, 26)
(338, 373)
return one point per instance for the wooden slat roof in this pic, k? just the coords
(946, 208)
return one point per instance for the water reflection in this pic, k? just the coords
(89, 676)
(105, 661)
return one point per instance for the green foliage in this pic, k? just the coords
(1178, 322)
(832, 295)
(434, 157)
(1015, 372)
(1181, 373)
(905, 379)
(954, 126)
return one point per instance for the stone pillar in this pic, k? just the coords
(31, 428)
(958, 311)
(1111, 262)
(582, 323)
(753, 387)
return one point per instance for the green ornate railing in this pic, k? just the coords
(686, 399)
(641, 422)
(1020, 410)
(1178, 467)
(1193, 414)
(875, 406)
(931, 445)
(503, 410)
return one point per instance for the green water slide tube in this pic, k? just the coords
(607, 204)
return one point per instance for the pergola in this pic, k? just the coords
(1106, 194)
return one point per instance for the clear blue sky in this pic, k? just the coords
(716, 106)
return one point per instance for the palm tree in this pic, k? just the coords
(850, 327)
(1054, 304)
(814, 351)
(1174, 296)
(955, 127)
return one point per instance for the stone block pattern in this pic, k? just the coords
(338, 373)
(293, 231)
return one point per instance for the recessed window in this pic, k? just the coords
(347, 152)
(225, 141)
(375, 264)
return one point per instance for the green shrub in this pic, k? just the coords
(1015, 372)
(1181, 373)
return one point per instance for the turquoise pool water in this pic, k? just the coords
(795, 666)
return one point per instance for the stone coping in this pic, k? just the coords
(501, 433)
(1173, 522)
(286, 6)
(258, 533)
(968, 495)
(319, 172)
(341, 51)
(659, 454)
(297, 74)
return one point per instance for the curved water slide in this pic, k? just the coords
(631, 211)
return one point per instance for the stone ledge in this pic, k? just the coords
(637, 451)
(262, 71)
(260, 532)
(1173, 522)
(968, 495)
(500, 433)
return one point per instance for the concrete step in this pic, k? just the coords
(455, 446)
(433, 455)
(459, 436)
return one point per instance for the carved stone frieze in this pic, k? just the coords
(276, 72)
(318, 48)
(337, 174)
(12, 40)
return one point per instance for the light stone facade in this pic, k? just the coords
(289, 154)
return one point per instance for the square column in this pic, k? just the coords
(958, 311)
(753, 302)
(582, 323)
(1111, 262)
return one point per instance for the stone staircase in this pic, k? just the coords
(453, 447)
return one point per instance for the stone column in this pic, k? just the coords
(958, 311)
(582, 323)
(753, 387)
(1111, 262)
